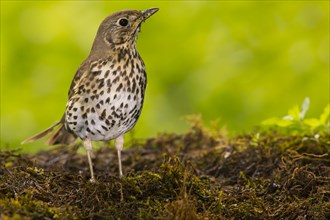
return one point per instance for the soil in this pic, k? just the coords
(197, 175)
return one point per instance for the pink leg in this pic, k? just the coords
(88, 146)
(119, 144)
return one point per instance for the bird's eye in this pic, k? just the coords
(123, 22)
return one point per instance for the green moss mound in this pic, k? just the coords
(197, 175)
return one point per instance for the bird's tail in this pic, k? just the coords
(60, 136)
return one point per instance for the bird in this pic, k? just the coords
(106, 95)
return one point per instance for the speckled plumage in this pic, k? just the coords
(107, 92)
(106, 101)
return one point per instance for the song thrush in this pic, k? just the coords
(107, 92)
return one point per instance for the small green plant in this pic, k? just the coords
(296, 121)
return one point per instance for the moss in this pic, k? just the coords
(197, 175)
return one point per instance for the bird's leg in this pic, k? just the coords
(119, 143)
(88, 146)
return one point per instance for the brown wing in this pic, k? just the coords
(81, 72)
(87, 70)
(61, 135)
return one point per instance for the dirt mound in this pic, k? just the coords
(197, 175)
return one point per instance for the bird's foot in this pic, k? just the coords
(92, 180)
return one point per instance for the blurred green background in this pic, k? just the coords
(240, 61)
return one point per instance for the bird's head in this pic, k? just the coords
(121, 27)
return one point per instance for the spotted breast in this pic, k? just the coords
(108, 101)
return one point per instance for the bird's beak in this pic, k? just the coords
(144, 16)
(147, 13)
